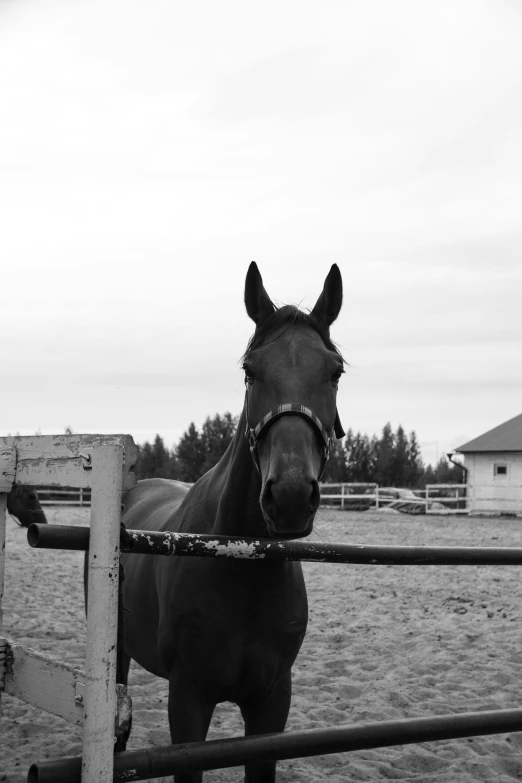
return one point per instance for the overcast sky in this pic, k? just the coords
(149, 151)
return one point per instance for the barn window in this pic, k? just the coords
(500, 469)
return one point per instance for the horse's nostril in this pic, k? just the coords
(267, 498)
(315, 495)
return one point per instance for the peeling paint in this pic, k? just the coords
(128, 774)
(238, 549)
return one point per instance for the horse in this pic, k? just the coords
(225, 629)
(24, 504)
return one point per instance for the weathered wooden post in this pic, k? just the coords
(105, 463)
(102, 615)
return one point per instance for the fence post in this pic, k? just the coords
(7, 474)
(342, 496)
(376, 497)
(102, 618)
(3, 525)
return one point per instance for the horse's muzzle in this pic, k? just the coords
(289, 504)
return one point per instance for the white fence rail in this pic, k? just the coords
(355, 496)
(64, 497)
(349, 494)
(455, 499)
(434, 499)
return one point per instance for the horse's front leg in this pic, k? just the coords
(263, 716)
(190, 714)
(121, 742)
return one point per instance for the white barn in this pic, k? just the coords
(494, 469)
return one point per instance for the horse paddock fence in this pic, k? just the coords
(106, 466)
(355, 496)
(433, 499)
(72, 496)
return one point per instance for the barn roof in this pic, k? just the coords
(505, 437)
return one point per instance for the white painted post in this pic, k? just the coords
(342, 496)
(102, 617)
(3, 509)
(7, 475)
(3, 514)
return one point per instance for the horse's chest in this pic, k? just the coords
(247, 633)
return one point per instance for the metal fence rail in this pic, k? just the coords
(157, 762)
(153, 762)
(149, 542)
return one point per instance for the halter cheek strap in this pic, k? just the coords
(292, 408)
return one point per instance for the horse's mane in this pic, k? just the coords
(287, 316)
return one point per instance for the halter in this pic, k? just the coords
(253, 434)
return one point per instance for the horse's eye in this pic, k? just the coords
(249, 375)
(336, 377)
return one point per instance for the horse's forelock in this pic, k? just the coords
(286, 316)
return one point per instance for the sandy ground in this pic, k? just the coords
(383, 642)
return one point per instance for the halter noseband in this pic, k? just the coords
(253, 434)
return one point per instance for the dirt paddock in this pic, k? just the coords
(383, 642)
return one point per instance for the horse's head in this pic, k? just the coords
(24, 504)
(292, 371)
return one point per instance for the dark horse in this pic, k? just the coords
(24, 504)
(230, 630)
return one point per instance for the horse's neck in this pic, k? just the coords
(235, 489)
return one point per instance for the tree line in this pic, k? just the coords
(391, 460)
(195, 453)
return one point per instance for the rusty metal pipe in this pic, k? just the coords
(145, 542)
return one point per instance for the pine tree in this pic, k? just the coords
(428, 477)
(144, 463)
(360, 458)
(399, 461)
(335, 471)
(385, 455)
(160, 459)
(190, 455)
(415, 468)
(446, 473)
(216, 435)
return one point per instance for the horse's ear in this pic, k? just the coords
(257, 302)
(328, 305)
